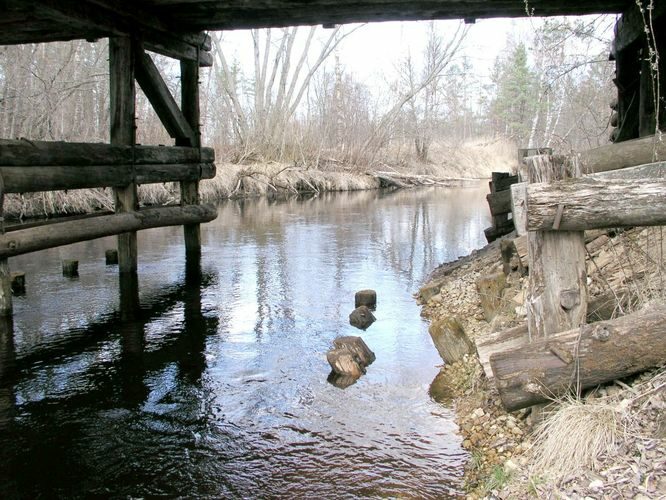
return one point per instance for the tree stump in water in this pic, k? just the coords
(70, 268)
(349, 357)
(18, 283)
(361, 317)
(111, 257)
(366, 298)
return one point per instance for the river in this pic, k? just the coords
(216, 384)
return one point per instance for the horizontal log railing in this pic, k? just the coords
(580, 204)
(18, 153)
(33, 239)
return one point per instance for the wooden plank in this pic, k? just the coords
(151, 82)
(581, 357)
(499, 202)
(24, 241)
(503, 182)
(51, 178)
(519, 207)
(596, 204)
(122, 101)
(28, 153)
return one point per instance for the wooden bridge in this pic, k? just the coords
(176, 28)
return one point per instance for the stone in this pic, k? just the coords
(365, 298)
(341, 381)
(596, 485)
(450, 339)
(490, 289)
(361, 317)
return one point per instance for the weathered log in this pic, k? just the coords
(27, 153)
(159, 95)
(580, 358)
(451, 341)
(366, 298)
(557, 291)
(502, 181)
(70, 268)
(579, 204)
(51, 178)
(621, 155)
(38, 238)
(497, 342)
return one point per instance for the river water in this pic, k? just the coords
(215, 384)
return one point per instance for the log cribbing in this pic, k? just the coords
(51, 178)
(41, 237)
(594, 204)
(584, 357)
(621, 155)
(17, 153)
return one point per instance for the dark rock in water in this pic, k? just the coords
(341, 381)
(361, 317)
(349, 357)
(450, 339)
(366, 298)
(357, 346)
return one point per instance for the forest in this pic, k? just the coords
(283, 104)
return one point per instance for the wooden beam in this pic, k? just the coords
(34, 153)
(51, 178)
(5, 274)
(122, 101)
(151, 82)
(97, 18)
(24, 241)
(557, 288)
(630, 28)
(581, 357)
(500, 202)
(189, 190)
(620, 155)
(596, 204)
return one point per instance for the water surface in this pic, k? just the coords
(215, 385)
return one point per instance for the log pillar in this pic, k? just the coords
(627, 81)
(123, 133)
(189, 190)
(647, 110)
(5, 274)
(557, 291)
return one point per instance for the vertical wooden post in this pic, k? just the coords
(189, 190)
(557, 292)
(5, 274)
(122, 101)
(627, 77)
(647, 110)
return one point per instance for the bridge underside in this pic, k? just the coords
(176, 28)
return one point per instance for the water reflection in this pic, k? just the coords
(209, 378)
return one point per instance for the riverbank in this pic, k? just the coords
(451, 165)
(610, 443)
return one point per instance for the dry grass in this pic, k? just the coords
(574, 436)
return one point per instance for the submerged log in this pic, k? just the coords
(38, 238)
(580, 358)
(579, 204)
